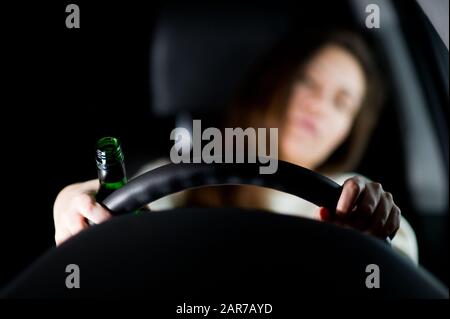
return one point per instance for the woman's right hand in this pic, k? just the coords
(73, 205)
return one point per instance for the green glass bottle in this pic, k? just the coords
(110, 167)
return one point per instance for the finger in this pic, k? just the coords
(351, 190)
(61, 236)
(366, 204)
(393, 222)
(369, 200)
(75, 223)
(324, 214)
(381, 215)
(92, 210)
(97, 214)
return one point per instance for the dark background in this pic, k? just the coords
(64, 88)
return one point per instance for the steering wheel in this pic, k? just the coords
(172, 178)
(226, 252)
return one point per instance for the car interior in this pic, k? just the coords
(164, 65)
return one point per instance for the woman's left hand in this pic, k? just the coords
(365, 206)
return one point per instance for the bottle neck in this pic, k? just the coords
(110, 166)
(112, 174)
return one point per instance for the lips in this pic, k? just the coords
(302, 124)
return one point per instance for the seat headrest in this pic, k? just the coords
(199, 55)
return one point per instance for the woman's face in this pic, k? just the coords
(321, 107)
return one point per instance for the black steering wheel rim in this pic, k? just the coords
(221, 253)
(172, 178)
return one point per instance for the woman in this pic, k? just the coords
(324, 96)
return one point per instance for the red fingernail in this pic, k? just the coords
(324, 213)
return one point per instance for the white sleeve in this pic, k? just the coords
(405, 241)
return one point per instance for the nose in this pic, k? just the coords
(314, 102)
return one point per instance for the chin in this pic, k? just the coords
(297, 158)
